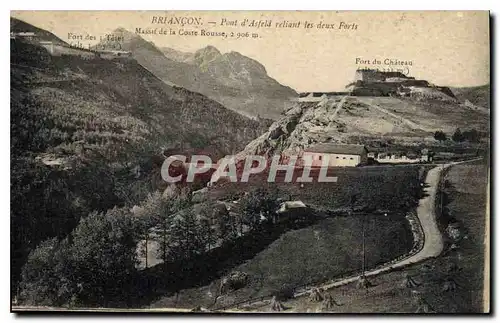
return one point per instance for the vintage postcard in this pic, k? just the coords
(250, 161)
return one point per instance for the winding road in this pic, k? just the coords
(426, 212)
(339, 106)
(406, 121)
(433, 241)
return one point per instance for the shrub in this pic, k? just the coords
(440, 136)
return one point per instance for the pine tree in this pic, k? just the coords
(168, 225)
(409, 282)
(147, 216)
(186, 235)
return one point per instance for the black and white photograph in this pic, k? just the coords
(318, 162)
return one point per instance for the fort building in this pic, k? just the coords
(336, 154)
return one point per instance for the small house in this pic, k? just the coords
(332, 154)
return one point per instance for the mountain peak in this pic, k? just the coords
(206, 55)
(209, 50)
(120, 30)
(129, 41)
(125, 33)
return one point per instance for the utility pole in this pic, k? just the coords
(362, 280)
(363, 244)
(353, 200)
(441, 178)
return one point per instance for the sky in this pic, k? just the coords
(447, 48)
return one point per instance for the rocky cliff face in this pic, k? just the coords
(304, 124)
(365, 120)
(203, 57)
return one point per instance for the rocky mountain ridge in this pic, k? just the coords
(232, 79)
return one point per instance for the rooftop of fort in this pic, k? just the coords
(394, 83)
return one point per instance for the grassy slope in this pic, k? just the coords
(389, 295)
(438, 115)
(332, 246)
(318, 253)
(478, 95)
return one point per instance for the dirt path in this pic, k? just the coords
(339, 106)
(409, 123)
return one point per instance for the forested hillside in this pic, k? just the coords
(88, 135)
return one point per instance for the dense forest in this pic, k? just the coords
(88, 137)
(96, 263)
